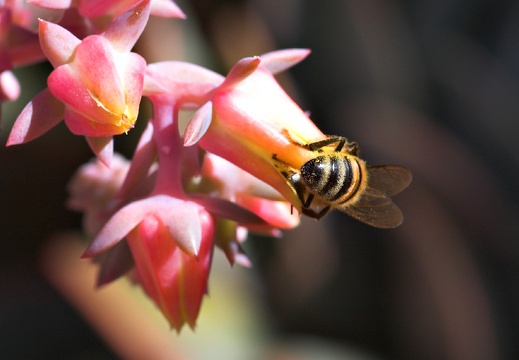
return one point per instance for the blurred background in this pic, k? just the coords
(430, 85)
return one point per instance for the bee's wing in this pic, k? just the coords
(389, 179)
(376, 209)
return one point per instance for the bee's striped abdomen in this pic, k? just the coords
(332, 177)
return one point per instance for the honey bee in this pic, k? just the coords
(337, 178)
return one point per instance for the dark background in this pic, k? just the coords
(431, 85)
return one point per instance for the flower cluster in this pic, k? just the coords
(158, 216)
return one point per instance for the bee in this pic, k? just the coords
(337, 178)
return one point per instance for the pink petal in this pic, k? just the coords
(80, 125)
(132, 67)
(40, 115)
(278, 61)
(65, 84)
(57, 43)
(119, 225)
(181, 82)
(232, 180)
(241, 70)
(126, 29)
(144, 156)
(103, 147)
(183, 222)
(52, 4)
(227, 209)
(277, 214)
(176, 281)
(95, 64)
(198, 124)
(178, 215)
(96, 8)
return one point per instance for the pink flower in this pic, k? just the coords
(96, 85)
(175, 279)
(169, 233)
(247, 119)
(170, 241)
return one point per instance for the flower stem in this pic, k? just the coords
(169, 149)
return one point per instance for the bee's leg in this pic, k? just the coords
(350, 147)
(306, 203)
(343, 144)
(299, 187)
(331, 139)
(294, 179)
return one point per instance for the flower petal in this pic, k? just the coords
(41, 114)
(80, 125)
(126, 29)
(119, 225)
(183, 222)
(114, 263)
(198, 124)
(181, 82)
(142, 160)
(227, 209)
(57, 43)
(96, 8)
(175, 280)
(181, 217)
(95, 65)
(278, 214)
(240, 71)
(103, 147)
(280, 60)
(65, 84)
(132, 67)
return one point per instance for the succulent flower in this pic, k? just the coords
(96, 85)
(248, 116)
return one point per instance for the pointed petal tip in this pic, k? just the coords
(103, 148)
(198, 124)
(241, 70)
(280, 60)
